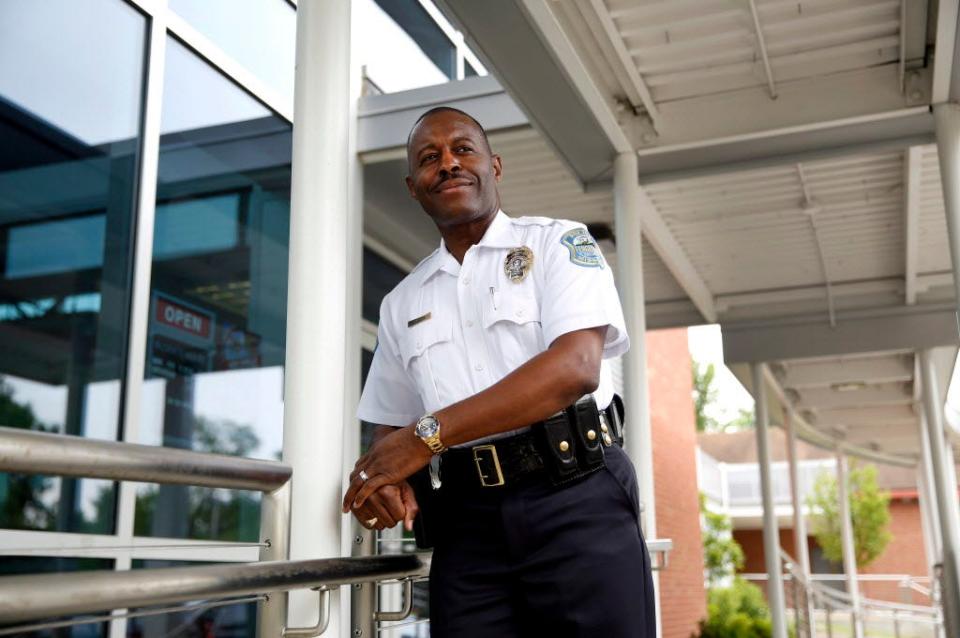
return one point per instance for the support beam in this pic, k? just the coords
(947, 120)
(946, 500)
(933, 540)
(789, 145)
(771, 532)
(675, 258)
(762, 44)
(880, 330)
(800, 548)
(542, 17)
(944, 61)
(849, 548)
(626, 60)
(320, 282)
(638, 440)
(912, 172)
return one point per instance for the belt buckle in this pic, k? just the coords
(478, 460)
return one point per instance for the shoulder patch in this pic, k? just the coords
(583, 249)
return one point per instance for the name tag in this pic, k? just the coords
(419, 319)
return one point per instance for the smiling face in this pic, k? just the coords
(453, 174)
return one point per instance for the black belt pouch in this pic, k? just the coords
(424, 525)
(584, 420)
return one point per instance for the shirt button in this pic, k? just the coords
(419, 344)
(469, 324)
(466, 281)
(520, 312)
(478, 367)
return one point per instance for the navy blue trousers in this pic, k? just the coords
(543, 561)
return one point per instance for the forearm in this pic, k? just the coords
(544, 385)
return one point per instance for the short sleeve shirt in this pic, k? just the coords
(450, 330)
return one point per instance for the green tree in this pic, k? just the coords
(218, 514)
(869, 512)
(21, 495)
(704, 394)
(738, 611)
(722, 555)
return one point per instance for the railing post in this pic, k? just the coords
(275, 534)
(363, 595)
(849, 550)
(946, 497)
(771, 534)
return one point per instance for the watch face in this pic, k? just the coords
(427, 426)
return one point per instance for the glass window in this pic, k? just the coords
(69, 135)
(379, 278)
(259, 34)
(468, 70)
(394, 57)
(228, 621)
(216, 334)
(22, 565)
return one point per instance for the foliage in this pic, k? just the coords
(21, 495)
(738, 611)
(722, 555)
(869, 511)
(705, 395)
(214, 514)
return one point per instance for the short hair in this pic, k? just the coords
(441, 109)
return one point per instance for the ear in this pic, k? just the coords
(410, 190)
(497, 167)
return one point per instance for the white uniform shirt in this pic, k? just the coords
(449, 330)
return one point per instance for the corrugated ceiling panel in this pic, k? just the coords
(687, 48)
(749, 231)
(933, 250)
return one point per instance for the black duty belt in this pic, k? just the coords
(561, 449)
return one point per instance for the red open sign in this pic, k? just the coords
(182, 318)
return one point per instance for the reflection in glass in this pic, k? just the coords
(392, 56)
(229, 621)
(69, 126)
(379, 278)
(260, 34)
(216, 333)
(22, 565)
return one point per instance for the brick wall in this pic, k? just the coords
(904, 554)
(682, 595)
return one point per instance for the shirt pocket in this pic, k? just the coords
(514, 334)
(419, 348)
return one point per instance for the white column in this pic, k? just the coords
(846, 539)
(318, 292)
(946, 499)
(771, 531)
(802, 551)
(638, 441)
(946, 119)
(930, 516)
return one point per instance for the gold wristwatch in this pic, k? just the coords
(428, 430)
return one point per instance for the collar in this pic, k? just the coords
(500, 234)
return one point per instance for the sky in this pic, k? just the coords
(706, 346)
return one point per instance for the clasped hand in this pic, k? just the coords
(385, 497)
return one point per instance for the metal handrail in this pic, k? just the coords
(29, 452)
(42, 596)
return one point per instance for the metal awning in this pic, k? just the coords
(791, 184)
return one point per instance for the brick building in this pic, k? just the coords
(905, 555)
(682, 595)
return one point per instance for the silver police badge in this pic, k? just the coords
(518, 263)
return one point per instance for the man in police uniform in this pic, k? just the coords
(485, 353)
